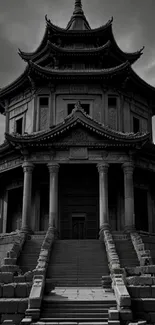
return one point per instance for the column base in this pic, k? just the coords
(129, 229)
(54, 231)
(26, 230)
(104, 227)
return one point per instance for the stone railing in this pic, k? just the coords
(144, 256)
(36, 294)
(118, 279)
(9, 262)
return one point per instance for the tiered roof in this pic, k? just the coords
(78, 42)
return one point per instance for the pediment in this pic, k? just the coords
(79, 136)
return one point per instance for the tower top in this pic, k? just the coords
(78, 7)
(78, 20)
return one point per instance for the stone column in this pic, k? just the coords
(128, 168)
(53, 195)
(27, 196)
(103, 196)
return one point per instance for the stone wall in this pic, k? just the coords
(140, 283)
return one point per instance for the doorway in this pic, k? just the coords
(78, 226)
(14, 215)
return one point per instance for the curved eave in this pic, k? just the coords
(4, 147)
(82, 51)
(131, 57)
(52, 48)
(30, 56)
(142, 84)
(78, 117)
(19, 82)
(47, 72)
(64, 32)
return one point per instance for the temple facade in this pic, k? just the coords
(78, 153)
(77, 175)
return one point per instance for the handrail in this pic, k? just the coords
(37, 290)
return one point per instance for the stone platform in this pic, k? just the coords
(87, 294)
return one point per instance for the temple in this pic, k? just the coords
(77, 171)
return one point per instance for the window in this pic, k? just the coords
(43, 101)
(112, 102)
(112, 112)
(86, 108)
(43, 112)
(19, 125)
(136, 125)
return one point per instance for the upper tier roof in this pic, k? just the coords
(99, 41)
(110, 47)
(104, 35)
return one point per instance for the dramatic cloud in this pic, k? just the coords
(22, 26)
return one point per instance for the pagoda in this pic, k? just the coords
(78, 162)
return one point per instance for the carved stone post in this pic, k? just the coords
(128, 168)
(53, 195)
(27, 196)
(103, 196)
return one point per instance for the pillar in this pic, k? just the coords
(27, 196)
(128, 168)
(53, 195)
(103, 196)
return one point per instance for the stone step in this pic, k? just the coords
(126, 253)
(48, 300)
(73, 313)
(77, 319)
(50, 322)
(27, 260)
(71, 261)
(58, 312)
(68, 309)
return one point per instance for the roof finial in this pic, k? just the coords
(78, 7)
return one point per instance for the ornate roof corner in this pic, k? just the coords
(19, 52)
(141, 50)
(47, 20)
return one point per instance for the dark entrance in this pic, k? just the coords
(141, 209)
(14, 216)
(44, 207)
(78, 202)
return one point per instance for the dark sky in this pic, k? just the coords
(22, 25)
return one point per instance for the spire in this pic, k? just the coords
(78, 20)
(78, 8)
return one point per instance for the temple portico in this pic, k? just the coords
(85, 195)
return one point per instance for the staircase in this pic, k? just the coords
(125, 249)
(88, 312)
(27, 260)
(73, 284)
(77, 263)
